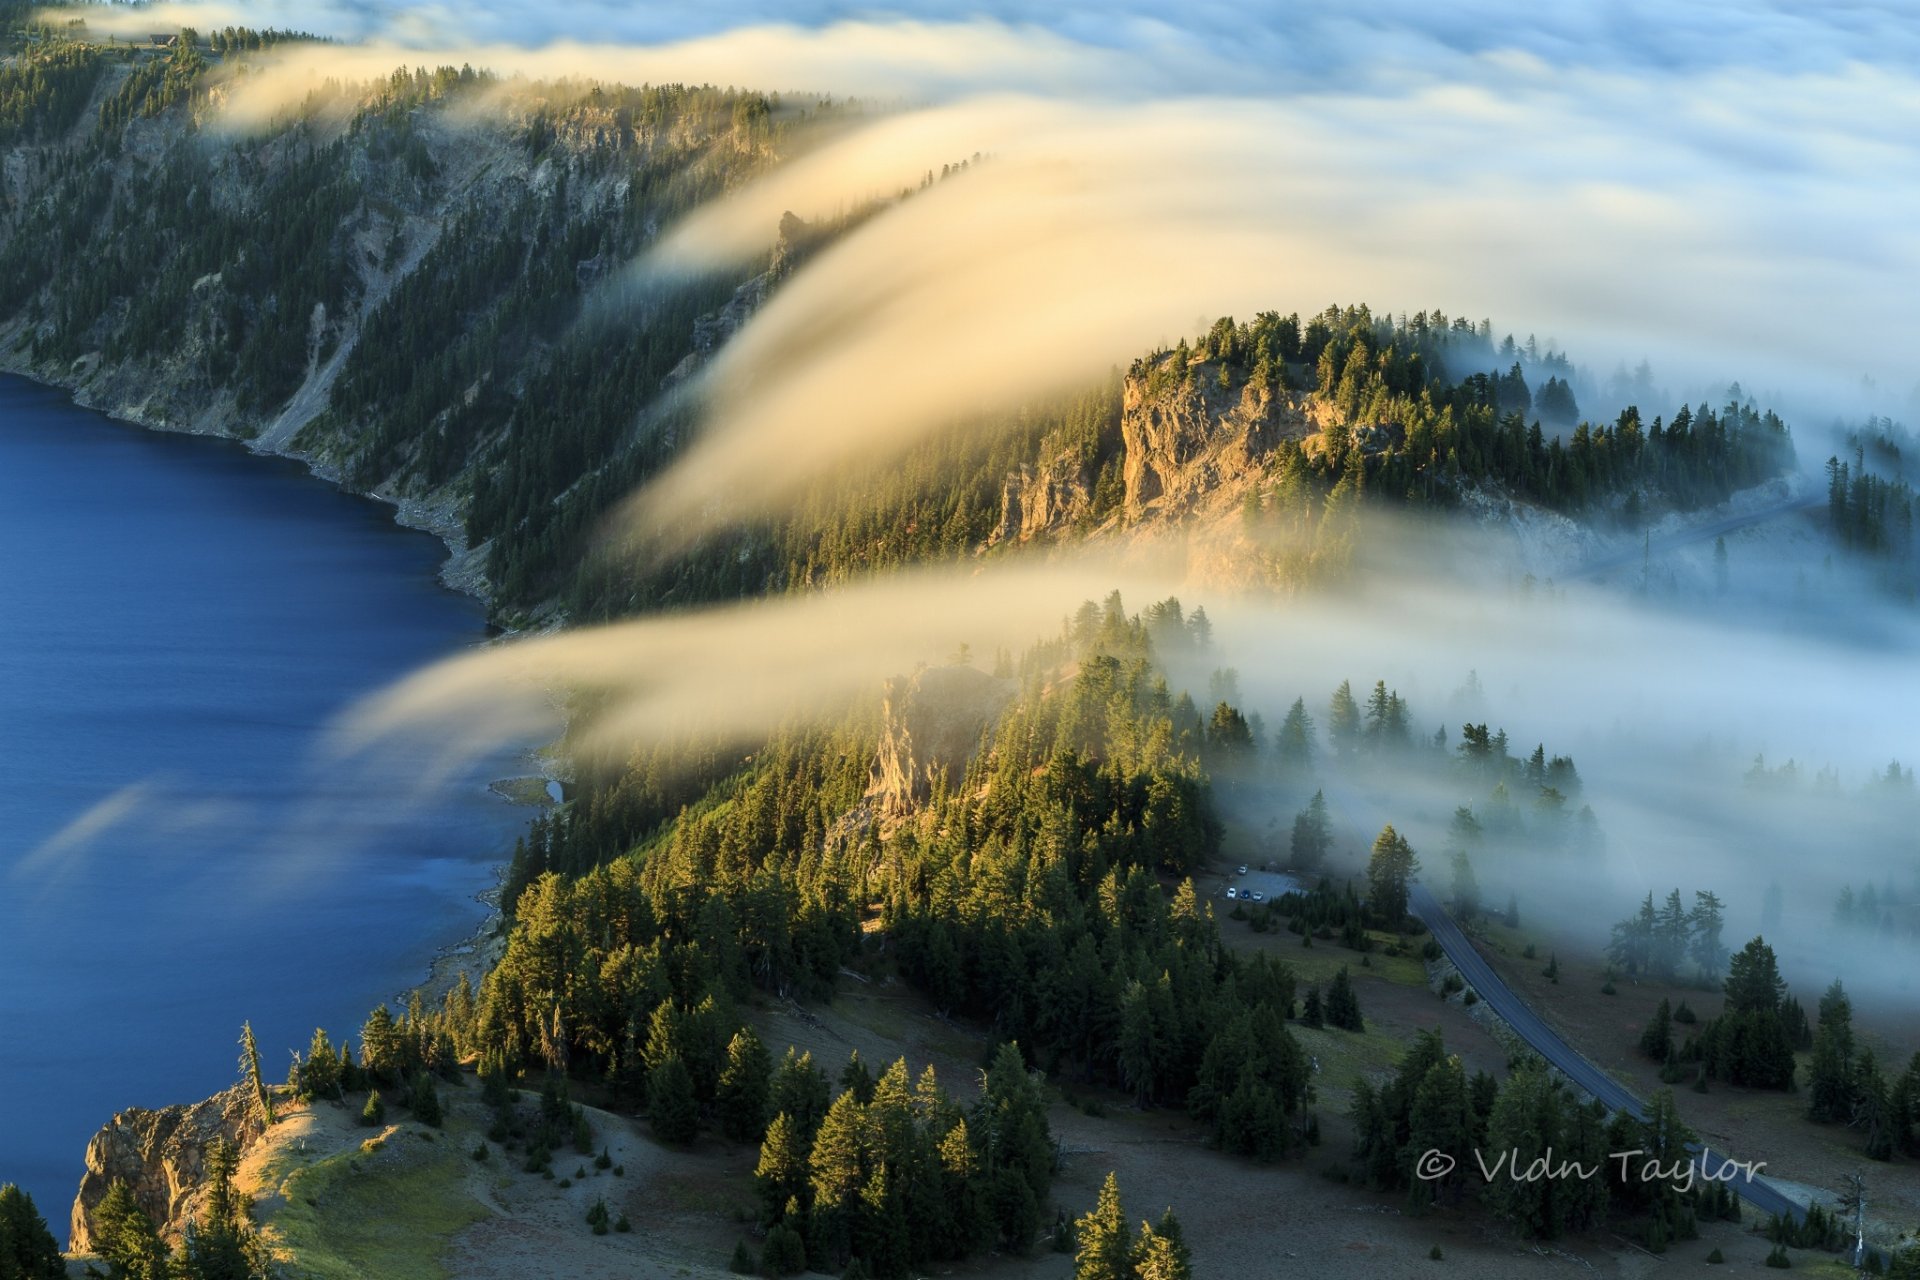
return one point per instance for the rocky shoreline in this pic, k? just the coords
(464, 569)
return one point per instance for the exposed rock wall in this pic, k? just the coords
(1188, 441)
(1034, 502)
(931, 723)
(162, 1156)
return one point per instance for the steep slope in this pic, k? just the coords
(388, 283)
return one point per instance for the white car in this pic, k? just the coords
(1254, 895)
(1233, 893)
(1242, 871)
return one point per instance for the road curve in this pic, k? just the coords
(1546, 1042)
(1630, 556)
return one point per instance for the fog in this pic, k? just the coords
(1722, 189)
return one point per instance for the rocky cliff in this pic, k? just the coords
(931, 723)
(386, 283)
(162, 1156)
(1189, 440)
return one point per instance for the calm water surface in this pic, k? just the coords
(179, 620)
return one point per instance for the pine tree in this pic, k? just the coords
(1343, 1006)
(1706, 922)
(125, 1237)
(1294, 742)
(838, 1169)
(318, 1074)
(671, 1107)
(1343, 722)
(28, 1250)
(745, 1083)
(381, 1056)
(856, 1079)
(1656, 1041)
(1160, 1255)
(250, 1074)
(1391, 867)
(1830, 1089)
(375, 1112)
(423, 1101)
(781, 1175)
(1103, 1246)
(1312, 834)
(1466, 887)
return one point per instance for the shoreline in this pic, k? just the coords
(461, 571)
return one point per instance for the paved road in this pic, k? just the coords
(1697, 533)
(1757, 1192)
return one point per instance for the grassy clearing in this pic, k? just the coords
(384, 1214)
(1319, 962)
(1346, 1057)
(902, 1017)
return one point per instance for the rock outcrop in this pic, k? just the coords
(1187, 441)
(931, 724)
(1035, 502)
(162, 1156)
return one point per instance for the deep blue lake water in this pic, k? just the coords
(179, 621)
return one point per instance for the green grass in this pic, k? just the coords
(1346, 1057)
(384, 1216)
(1318, 963)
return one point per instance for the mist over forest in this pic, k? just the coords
(1340, 589)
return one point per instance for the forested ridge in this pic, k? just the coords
(471, 267)
(457, 293)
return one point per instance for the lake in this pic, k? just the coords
(179, 850)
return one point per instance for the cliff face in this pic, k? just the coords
(1185, 442)
(162, 1156)
(387, 283)
(931, 723)
(1047, 499)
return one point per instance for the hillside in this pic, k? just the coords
(420, 287)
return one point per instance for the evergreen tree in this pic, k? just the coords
(423, 1101)
(744, 1088)
(1160, 1253)
(1391, 867)
(1656, 1041)
(125, 1237)
(838, 1170)
(1706, 922)
(671, 1107)
(856, 1079)
(27, 1249)
(1466, 887)
(1343, 1006)
(1343, 722)
(1312, 834)
(1103, 1246)
(781, 1175)
(1830, 1089)
(800, 1091)
(250, 1074)
(1294, 743)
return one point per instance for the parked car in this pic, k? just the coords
(1242, 871)
(1255, 895)
(1233, 893)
